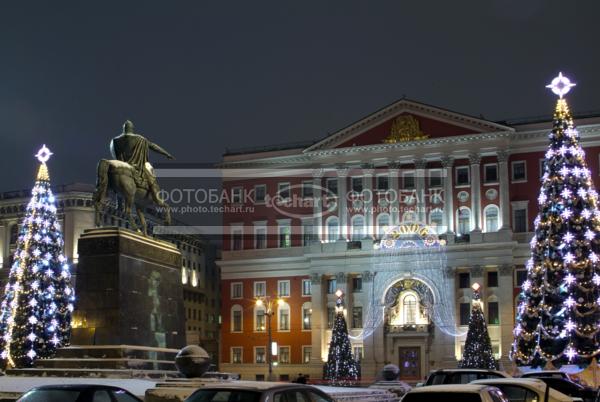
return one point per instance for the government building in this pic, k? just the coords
(402, 212)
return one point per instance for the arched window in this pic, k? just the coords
(383, 222)
(491, 213)
(358, 227)
(436, 220)
(184, 275)
(237, 318)
(260, 322)
(409, 217)
(464, 220)
(333, 230)
(410, 309)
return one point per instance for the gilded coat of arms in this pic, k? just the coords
(405, 128)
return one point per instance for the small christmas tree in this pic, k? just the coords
(558, 317)
(478, 347)
(35, 312)
(341, 369)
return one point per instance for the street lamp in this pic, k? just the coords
(269, 304)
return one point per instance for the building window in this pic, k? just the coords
(465, 313)
(236, 355)
(306, 354)
(284, 355)
(492, 279)
(306, 316)
(333, 230)
(383, 222)
(357, 318)
(237, 290)
(285, 236)
(464, 220)
(331, 286)
(357, 184)
(237, 195)
(283, 189)
(283, 288)
(332, 186)
(260, 320)
(383, 183)
(521, 276)
(435, 178)
(519, 171)
(436, 220)
(357, 352)
(490, 173)
(236, 318)
(260, 191)
(409, 217)
(330, 317)
(260, 238)
(260, 289)
(357, 284)
(491, 218)
(520, 220)
(358, 227)
(307, 189)
(464, 280)
(236, 243)
(260, 355)
(306, 287)
(284, 317)
(308, 233)
(462, 175)
(408, 180)
(410, 309)
(493, 313)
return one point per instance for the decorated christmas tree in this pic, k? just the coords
(35, 312)
(341, 369)
(478, 347)
(558, 316)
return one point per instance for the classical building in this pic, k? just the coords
(403, 211)
(199, 273)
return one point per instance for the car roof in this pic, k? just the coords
(255, 385)
(531, 383)
(78, 387)
(473, 388)
(473, 370)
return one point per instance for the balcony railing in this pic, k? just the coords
(408, 328)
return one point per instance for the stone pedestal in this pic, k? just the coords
(128, 291)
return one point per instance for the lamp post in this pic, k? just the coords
(269, 304)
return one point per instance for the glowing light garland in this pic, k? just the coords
(559, 313)
(35, 312)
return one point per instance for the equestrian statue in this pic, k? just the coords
(130, 176)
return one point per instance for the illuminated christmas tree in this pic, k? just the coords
(341, 369)
(559, 314)
(35, 312)
(478, 347)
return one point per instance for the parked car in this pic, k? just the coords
(572, 389)
(78, 393)
(455, 393)
(525, 389)
(462, 376)
(221, 376)
(258, 392)
(546, 373)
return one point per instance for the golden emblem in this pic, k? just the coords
(405, 128)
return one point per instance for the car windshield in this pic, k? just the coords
(224, 395)
(51, 395)
(442, 396)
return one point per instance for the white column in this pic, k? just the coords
(420, 187)
(342, 201)
(318, 319)
(447, 164)
(368, 200)
(507, 309)
(475, 161)
(318, 203)
(504, 189)
(394, 193)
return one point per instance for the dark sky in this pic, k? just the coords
(199, 76)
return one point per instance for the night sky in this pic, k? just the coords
(199, 77)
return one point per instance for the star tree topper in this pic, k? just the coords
(560, 85)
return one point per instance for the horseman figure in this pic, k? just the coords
(131, 176)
